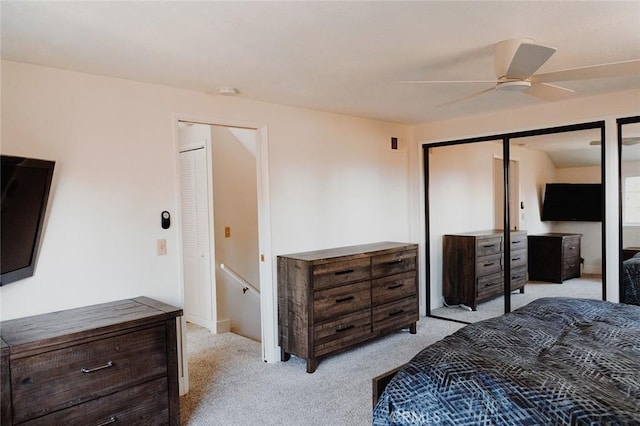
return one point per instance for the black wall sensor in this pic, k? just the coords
(166, 220)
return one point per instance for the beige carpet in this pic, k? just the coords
(230, 385)
(588, 287)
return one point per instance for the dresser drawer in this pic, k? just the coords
(393, 263)
(485, 246)
(571, 247)
(335, 335)
(393, 287)
(337, 301)
(395, 314)
(146, 404)
(518, 278)
(490, 286)
(61, 378)
(491, 264)
(342, 272)
(570, 267)
(518, 259)
(518, 241)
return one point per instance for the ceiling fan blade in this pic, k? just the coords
(527, 59)
(446, 81)
(549, 92)
(613, 69)
(446, 104)
(625, 141)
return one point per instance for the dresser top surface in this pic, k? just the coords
(72, 324)
(555, 235)
(486, 233)
(363, 249)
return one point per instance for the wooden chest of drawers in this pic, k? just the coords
(554, 257)
(473, 266)
(329, 300)
(109, 363)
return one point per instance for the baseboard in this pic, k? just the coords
(223, 326)
(209, 325)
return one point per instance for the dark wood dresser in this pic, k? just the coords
(473, 266)
(330, 300)
(112, 363)
(554, 257)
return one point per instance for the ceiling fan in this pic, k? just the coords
(516, 62)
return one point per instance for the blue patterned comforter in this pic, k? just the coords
(631, 280)
(556, 361)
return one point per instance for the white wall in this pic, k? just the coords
(546, 114)
(333, 181)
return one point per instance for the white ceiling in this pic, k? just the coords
(345, 57)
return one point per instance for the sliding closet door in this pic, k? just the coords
(466, 248)
(629, 156)
(476, 270)
(565, 250)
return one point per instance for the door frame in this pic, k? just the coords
(268, 311)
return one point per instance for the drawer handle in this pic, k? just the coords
(393, 287)
(393, 314)
(572, 248)
(488, 245)
(348, 271)
(516, 242)
(489, 264)
(113, 419)
(341, 329)
(344, 299)
(515, 277)
(491, 284)
(395, 262)
(515, 258)
(102, 367)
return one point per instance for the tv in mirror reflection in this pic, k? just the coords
(579, 202)
(25, 186)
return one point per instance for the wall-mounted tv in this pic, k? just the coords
(581, 202)
(25, 190)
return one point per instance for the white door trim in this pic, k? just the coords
(268, 300)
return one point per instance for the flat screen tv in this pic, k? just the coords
(581, 202)
(25, 190)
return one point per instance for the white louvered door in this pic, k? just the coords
(199, 281)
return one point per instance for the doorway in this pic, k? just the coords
(235, 290)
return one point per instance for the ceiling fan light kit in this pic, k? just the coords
(513, 85)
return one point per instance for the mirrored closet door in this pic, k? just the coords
(466, 244)
(629, 156)
(475, 189)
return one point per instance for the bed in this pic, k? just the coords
(555, 361)
(631, 280)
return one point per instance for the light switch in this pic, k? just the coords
(227, 232)
(162, 247)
